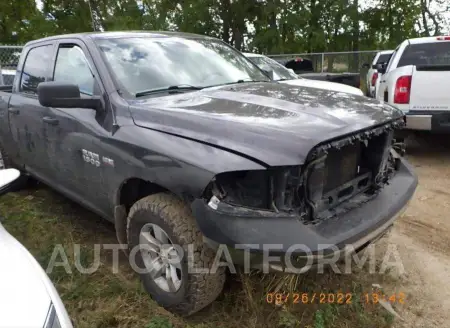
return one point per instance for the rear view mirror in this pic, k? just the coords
(8, 177)
(64, 95)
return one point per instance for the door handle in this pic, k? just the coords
(50, 120)
(13, 110)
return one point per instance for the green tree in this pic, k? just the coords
(265, 26)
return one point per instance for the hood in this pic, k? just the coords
(274, 123)
(332, 86)
(24, 300)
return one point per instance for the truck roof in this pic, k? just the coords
(121, 34)
(430, 39)
(250, 54)
(386, 52)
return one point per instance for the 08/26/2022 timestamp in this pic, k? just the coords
(333, 298)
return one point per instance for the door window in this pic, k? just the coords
(383, 58)
(35, 69)
(72, 67)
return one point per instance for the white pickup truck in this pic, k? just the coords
(416, 80)
(373, 75)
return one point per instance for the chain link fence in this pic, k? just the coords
(335, 62)
(9, 58)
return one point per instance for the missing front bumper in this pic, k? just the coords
(251, 230)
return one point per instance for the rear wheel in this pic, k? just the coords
(161, 233)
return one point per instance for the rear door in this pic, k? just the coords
(26, 115)
(430, 75)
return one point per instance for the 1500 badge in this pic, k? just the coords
(90, 157)
(94, 159)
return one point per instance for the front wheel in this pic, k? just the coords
(161, 233)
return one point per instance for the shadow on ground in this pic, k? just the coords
(422, 144)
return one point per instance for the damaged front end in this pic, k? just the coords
(336, 177)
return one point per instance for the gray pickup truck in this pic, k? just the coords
(180, 140)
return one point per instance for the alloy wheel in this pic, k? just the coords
(161, 257)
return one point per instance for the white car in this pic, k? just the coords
(373, 75)
(7, 75)
(285, 75)
(28, 298)
(416, 81)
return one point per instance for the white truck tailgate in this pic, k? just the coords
(430, 88)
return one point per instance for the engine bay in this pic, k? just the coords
(337, 177)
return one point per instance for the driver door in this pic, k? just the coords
(76, 136)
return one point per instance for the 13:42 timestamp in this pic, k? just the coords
(374, 298)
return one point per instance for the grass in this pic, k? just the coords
(40, 219)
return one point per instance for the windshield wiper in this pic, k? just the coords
(248, 81)
(238, 81)
(171, 89)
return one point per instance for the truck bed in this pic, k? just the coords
(351, 79)
(6, 89)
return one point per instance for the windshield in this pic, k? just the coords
(436, 53)
(280, 72)
(142, 64)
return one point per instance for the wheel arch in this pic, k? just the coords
(130, 191)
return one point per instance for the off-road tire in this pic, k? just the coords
(175, 217)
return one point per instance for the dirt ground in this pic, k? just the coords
(422, 235)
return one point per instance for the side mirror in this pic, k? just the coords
(64, 95)
(381, 68)
(268, 71)
(366, 65)
(7, 179)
